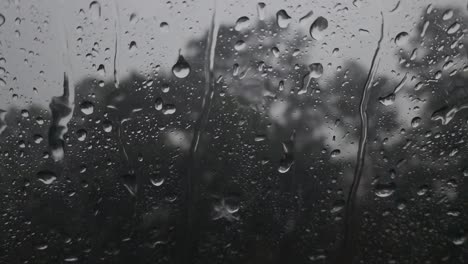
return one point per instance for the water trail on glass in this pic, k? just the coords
(62, 107)
(116, 43)
(347, 253)
(189, 240)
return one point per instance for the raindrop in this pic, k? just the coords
(287, 159)
(2, 20)
(95, 10)
(385, 190)
(81, 133)
(316, 70)
(132, 46)
(164, 27)
(459, 240)
(447, 14)
(335, 153)
(318, 27)
(283, 19)
(38, 139)
(261, 10)
(401, 39)
(275, 52)
(87, 107)
(46, 176)
(453, 28)
(240, 45)
(107, 126)
(156, 179)
(387, 100)
(242, 23)
(416, 122)
(101, 70)
(306, 17)
(133, 18)
(169, 109)
(181, 69)
(158, 104)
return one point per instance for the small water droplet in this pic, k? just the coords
(318, 27)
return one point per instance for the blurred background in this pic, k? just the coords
(222, 131)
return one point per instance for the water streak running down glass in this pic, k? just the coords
(225, 131)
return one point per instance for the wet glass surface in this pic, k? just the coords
(225, 131)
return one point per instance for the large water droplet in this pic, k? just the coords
(95, 10)
(181, 69)
(2, 20)
(447, 14)
(388, 99)
(242, 23)
(287, 159)
(156, 179)
(81, 133)
(385, 190)
(283, 19)
(453, 28)
(46, 176)
(416, 122)
(318, 27)
(164, 26)
(87, 107)
(401, 38)
(261, 10)
(316, 70)
(240, 45)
